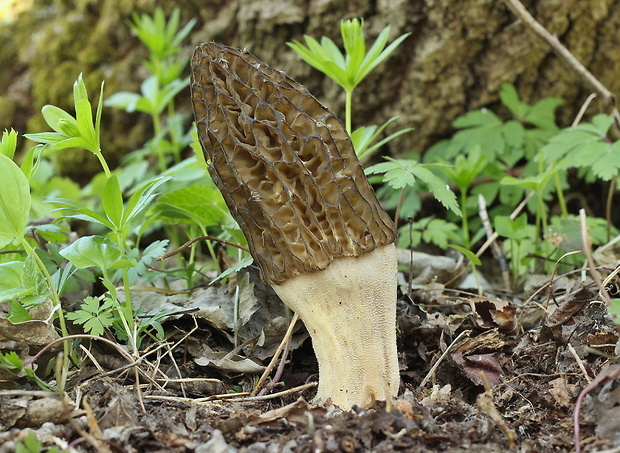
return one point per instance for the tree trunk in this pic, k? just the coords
(459, 53)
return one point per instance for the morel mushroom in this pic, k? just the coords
(288, 172)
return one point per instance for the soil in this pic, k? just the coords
(486, 374)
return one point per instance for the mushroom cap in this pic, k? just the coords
(284, 164)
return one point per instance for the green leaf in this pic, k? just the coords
(18, 312)
(30, 161)
(11, 362)
(14, 202)
(614, 310)
(201, 205)
(141, 198)
(11, 284)
(94, 316)
(59, 120)
(511, 229)
(123, 100)
(350, 69)
(112, 200)
(542, 114)
(400, 173)
(364, 136)
(510, 98)
(97, 251)
(8, 143)
(471, 256)
(585, 146)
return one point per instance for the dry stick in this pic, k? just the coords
(582, 110)
(608, 98)
(495, 248)
(586, 250)
(602, 376)
(582, 367)
(272, 363)
(443, 356)
(201, 238)
(278, 374)
(607, 374)
(513, 216)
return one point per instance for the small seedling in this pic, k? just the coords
(349, 69)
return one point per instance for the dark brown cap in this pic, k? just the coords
(284, 164)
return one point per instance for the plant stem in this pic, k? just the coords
(465, 223)
(122, 308)
(160, 152)
(56, 299)
(104, 164)
(347, 110)
(174, 137)
(560, 192)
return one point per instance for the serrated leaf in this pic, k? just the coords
(400, 173)
(439, 189)
(510, 98)
(607, 164)
(542, 114)
(93, 316)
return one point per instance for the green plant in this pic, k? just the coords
(401, 173)
(14, 215)
(349, 69)
(31, 444)
(163, 39)
(74, 132)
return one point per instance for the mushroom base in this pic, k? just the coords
(349, 310)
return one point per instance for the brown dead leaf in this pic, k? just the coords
(570, 308)
(33, 412)
(562, 392)
(34, 332)
(474, 365)
(122, 411)
(294, 413)
(491, 340)
(604, 341)
(494, 313)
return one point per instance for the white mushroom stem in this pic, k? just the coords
(349, 310)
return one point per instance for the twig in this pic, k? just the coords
(586, 250)
(495, 248)
(443, 356)
(579, 362)
(278, 374)
(201, 238)
(607, 97)
(278, 394)
(513, 215)
(605, 375)
(232, 396)
(274, 359)
(582, 110)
